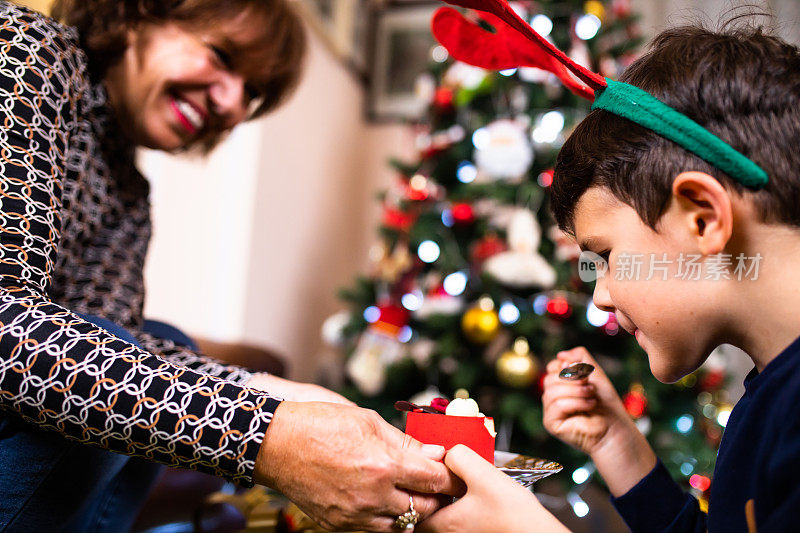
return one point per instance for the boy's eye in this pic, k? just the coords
(605, 255)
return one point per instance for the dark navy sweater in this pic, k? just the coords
(758, 460)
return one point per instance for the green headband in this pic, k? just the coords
(646, 110)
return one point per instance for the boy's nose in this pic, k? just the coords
(601, 296)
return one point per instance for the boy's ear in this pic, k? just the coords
(705, 206)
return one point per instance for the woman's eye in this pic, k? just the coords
(252, 92)
(223, 56)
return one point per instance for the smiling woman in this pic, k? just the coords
(180, 74)
(79, 364)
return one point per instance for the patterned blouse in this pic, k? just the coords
(74, 229)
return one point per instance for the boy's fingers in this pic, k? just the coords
(575, 355)
(553, 366)
(468, 465)
(556, 391)
(562, 407)
(442, 520)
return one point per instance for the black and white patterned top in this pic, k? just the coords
(74, 229)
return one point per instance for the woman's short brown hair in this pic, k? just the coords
(103, 25)
(742, 84)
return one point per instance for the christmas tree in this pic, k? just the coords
(472, 285)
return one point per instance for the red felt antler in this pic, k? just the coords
(513, 44)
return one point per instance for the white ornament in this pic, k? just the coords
(367, 366)
(502, 150)
(332, 329)
(425, 88)
(644, 425)
(463, 76)
(439, 304)
(462, 407)
(421, 351)
(522, 266)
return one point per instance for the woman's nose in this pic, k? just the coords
(227, 97)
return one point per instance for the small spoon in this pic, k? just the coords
(576, 371)
(403, 405)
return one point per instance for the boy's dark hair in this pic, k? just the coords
(741, 84)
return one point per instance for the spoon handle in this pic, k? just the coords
(403, 405)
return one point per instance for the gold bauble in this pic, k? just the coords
(596, 8)
(517, 367)
(480, 323)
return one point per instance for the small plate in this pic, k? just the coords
(523, 469)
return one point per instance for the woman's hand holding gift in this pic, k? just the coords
(349, 469)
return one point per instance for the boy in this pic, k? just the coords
(625, 191)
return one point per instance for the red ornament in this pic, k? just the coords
(612, 326)
(415, 194)
(700, 482)
(463, 213)
(621, 8)
(635, 401)
(443, 98)
(540, 383)
(391, 319)
(559, 307)
(399, 220)
(712, 380)
(546, 178)
(486, 248)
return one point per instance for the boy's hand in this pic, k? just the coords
(588, 414)
(493, 502)
(581, 412)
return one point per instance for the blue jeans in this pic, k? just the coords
(48, 483)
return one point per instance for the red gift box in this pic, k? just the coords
(448, 430)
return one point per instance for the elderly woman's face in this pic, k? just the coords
(174, 86)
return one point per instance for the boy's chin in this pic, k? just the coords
(666, 368)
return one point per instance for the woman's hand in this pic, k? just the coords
(493, 502)
(349, 469)
(294, 391)
(588, 414)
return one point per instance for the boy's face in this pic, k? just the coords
(673, 319)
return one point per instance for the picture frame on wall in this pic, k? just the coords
(400, 52)
(343, 27)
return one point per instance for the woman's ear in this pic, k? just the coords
(704, 205)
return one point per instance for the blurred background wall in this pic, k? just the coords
(252, 244)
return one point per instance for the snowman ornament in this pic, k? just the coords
(522, 266)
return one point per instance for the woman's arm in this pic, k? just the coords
(56, 370)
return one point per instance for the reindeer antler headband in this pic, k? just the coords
(515, 44)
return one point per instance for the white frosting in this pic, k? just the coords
(463, 407)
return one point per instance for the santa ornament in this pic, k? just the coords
(502, 150)
(377, 348)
